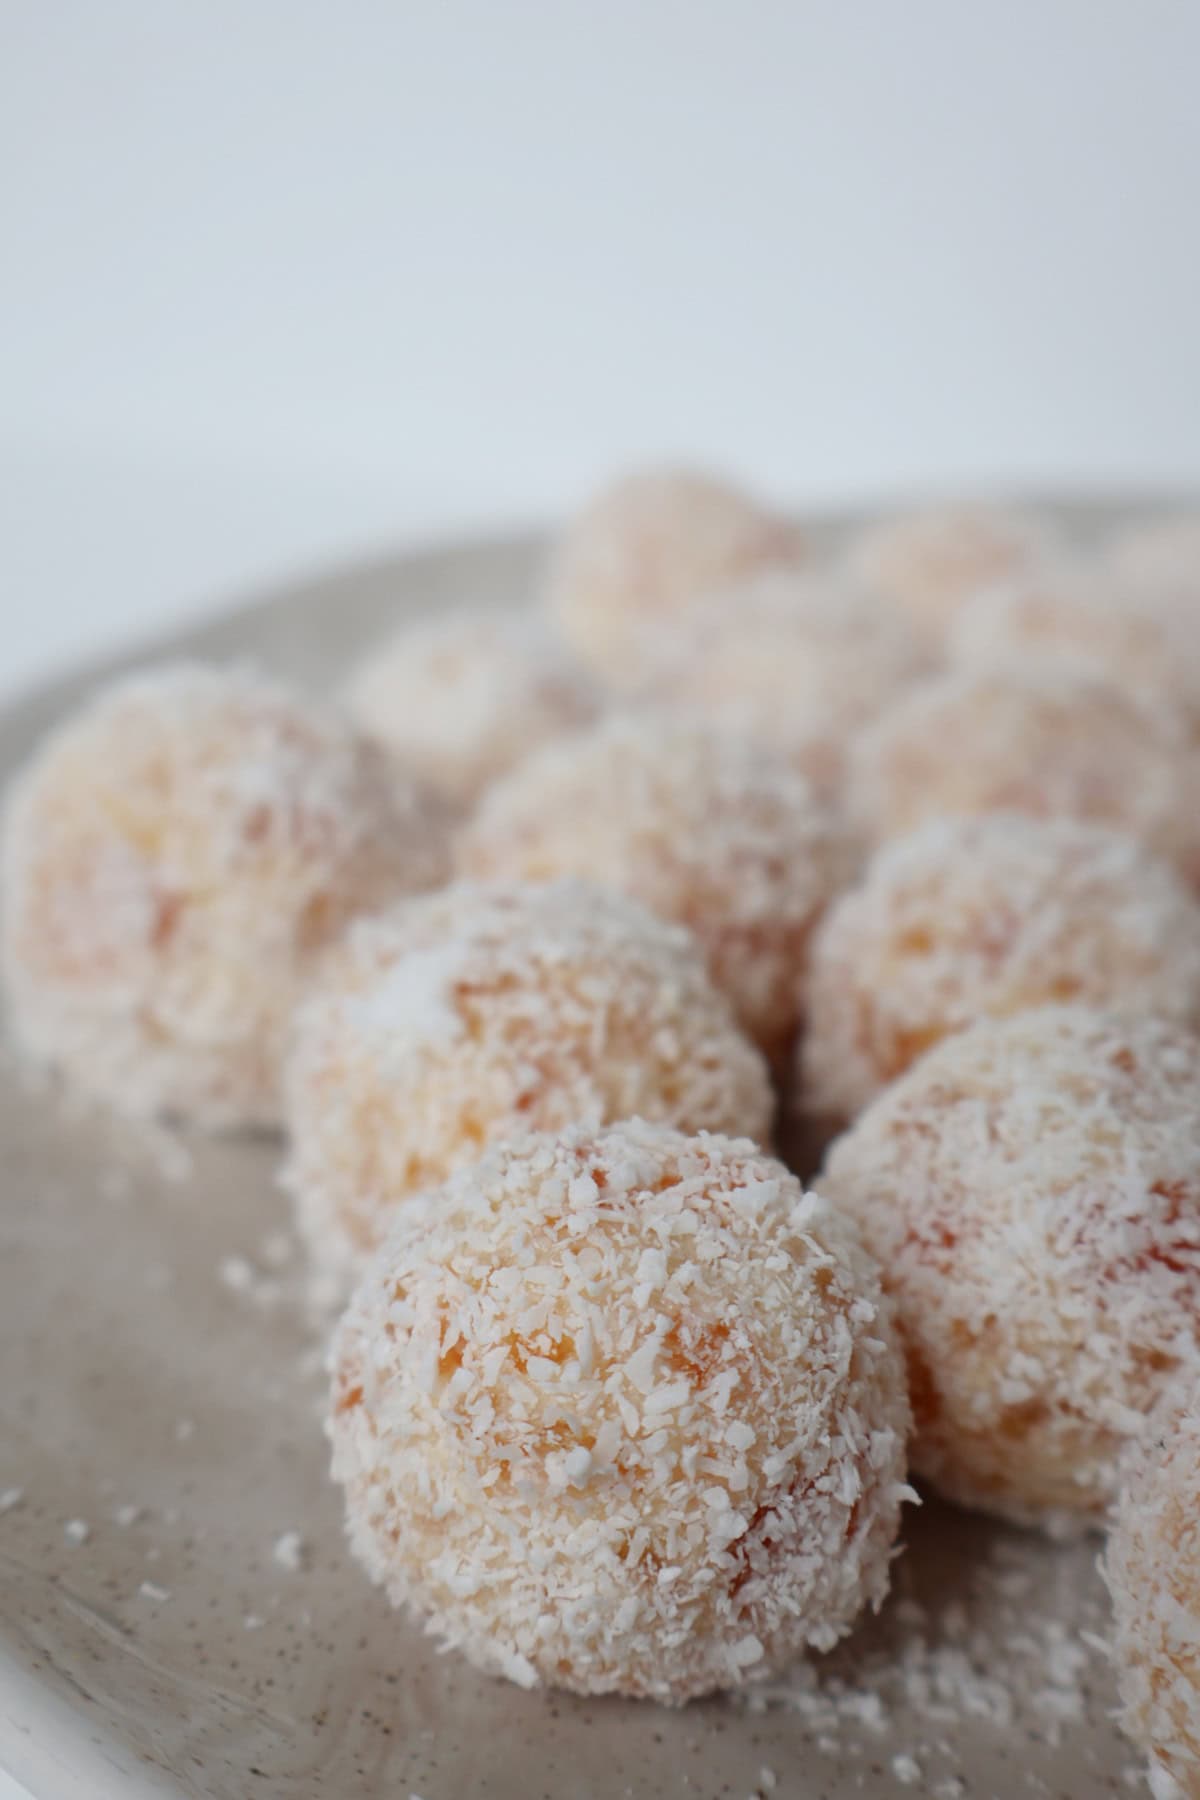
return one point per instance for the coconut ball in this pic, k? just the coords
(930, 561)
(801, 661)
(704, 827)
(1031, 1188)
(1051, 742)
(986, 917)
(461, 697)
(175, 859)
(621, 1412)
(1066, 611)
(1152, 1566)
(478, 1013)
(640, 555)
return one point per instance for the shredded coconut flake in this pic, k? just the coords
(288, 1551)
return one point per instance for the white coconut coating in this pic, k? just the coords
(461, 696)
(1152, 1566)
(1053, 742)
(621, 1412)
(797, 659)
(1031, 1189)
(706, 828)
(1068, 610)
(645, 550)
(176, 857)
(930, 561)
(479, 1013)
(986, 917)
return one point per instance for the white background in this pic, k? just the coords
(282, 281)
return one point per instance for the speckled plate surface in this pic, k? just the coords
(173, 1653)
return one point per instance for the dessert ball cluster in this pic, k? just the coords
(620, 1411)
(1031, 1190)
(798, 660)
(705, 827)
(461, 697)
(646, 550)
(176, 858)
(899, 824)
(472, 1015)
(984, 918)
(1152, 1566)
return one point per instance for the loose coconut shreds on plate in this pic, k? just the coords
(1031, 1189)
(175, 858)
(461, 697)
(645, 550)
(1050, 742)
(987, 917)
(930, 561)
(620, 1412)
(1152, 1567)
(797, 659)
(480, 1013)
(704, 827)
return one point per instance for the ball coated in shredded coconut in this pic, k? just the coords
(1078, 615)
(706, 828)
(929, 562)
(1051, 742)
(176, 857)
(645, 550)
(1031, 1189)
(620, 1412)
(1152, 1566)
(461, 697)
(799, 660)
(481, 1013)
(987, 917)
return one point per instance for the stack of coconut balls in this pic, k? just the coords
(537, 946)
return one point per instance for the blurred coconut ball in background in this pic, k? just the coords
(460, 697)
(644, 551)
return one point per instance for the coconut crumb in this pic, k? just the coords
(77, 1531)
(10, 1497)
(240, 1276)
(150, 1590)
(289, 1551)
(128, 1514)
